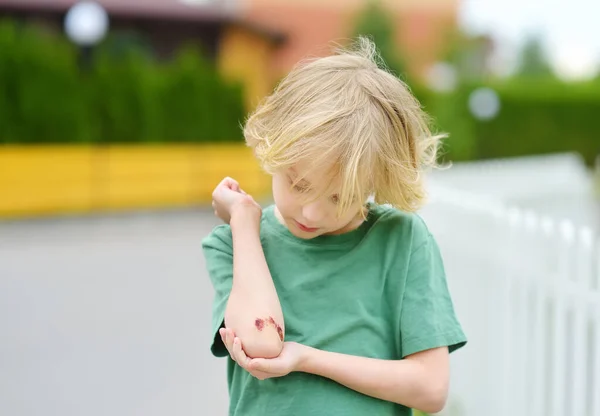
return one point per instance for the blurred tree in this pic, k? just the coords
(596, 177)
(469, 55)
(126, 97)
(376, 22)
(533, 62)
(120, 44)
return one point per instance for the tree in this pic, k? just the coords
(376, 22)
(533, 62)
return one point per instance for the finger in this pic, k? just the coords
(229, 343)
(231, 184)
(240, 355)
(263, 365)
(260, 375)
(222, 334)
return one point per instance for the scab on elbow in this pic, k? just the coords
(260, 325)
(266, 339)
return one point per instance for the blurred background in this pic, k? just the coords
(117, 119)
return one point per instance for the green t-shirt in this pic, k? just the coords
(378, 291)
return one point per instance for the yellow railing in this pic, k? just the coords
(50, 180)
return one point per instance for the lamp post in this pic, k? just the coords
(86, 24)
(484, 103)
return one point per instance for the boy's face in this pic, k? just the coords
(310, 219)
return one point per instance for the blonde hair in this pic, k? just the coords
(348, 111)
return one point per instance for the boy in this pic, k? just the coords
(326, 303)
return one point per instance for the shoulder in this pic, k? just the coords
(407, 228)
(219, 238)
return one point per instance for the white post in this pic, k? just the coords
(596, 331)
(579, 357)
(499, 272)
(506, 303)
(558, 406)
(540, 371)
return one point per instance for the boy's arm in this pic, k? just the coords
(253, 310)
(420, 381)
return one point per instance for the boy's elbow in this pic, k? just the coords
(434, 399)
(265, 344)
(261, 338)
(434, 405)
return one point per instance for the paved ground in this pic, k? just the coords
(107, 316)
(110, 315)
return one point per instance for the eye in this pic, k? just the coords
(299, 188)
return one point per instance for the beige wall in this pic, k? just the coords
(395, 4)
(245, 56)
(311, 25)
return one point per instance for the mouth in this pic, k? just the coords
(305, 228)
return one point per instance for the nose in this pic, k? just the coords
(313, 213)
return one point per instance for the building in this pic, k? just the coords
(242, 49)
(257, 41)
(422, 27)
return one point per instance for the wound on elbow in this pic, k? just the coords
(260, 325)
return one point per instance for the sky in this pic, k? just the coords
(569, 29)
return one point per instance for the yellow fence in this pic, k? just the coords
(77, 179)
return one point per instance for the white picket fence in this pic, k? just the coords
(527, 291)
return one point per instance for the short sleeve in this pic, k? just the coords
(218, 253)
(427, 316)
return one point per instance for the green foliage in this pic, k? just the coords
(533, 62)
(40, 96)
(375, 22)
(125, 97)
(542, 118)
(468, 55)
(196, 98)
(535, 118)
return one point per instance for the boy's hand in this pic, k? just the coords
(237, 354)
(263, 368)
(228, 198)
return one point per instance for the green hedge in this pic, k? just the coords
(534, 118)
(543, 118)
(126, 97)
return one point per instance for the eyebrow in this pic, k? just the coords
(304, 182)
(293, 176)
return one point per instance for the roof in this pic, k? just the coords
(166, 9)
(207, 11)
